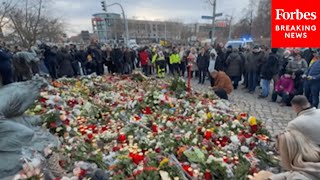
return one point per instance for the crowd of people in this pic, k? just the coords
(290, 71)
(293, 74)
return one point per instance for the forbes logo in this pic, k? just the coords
(281, 14)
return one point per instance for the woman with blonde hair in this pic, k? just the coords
(192, 60)
(298, 156)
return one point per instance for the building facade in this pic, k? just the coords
(103, 25)
(110, 28)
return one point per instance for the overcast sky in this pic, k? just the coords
(77, 13)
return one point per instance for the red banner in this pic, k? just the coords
(295, 23)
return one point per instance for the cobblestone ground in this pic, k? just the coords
(272, 114)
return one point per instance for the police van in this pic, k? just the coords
(245, 43)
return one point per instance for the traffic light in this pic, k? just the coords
(103, 5)
(210, 34)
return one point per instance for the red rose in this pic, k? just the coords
(247, 135)
(115, 149)
(158, 150)
(103, 129)
(208, 135)
(53, 125)
(254, 128)
(154, 128)
(207, 175)
(82, 173)
(90, 136)
(43, 100)
(147, 110)
(122, 138)
(66, 122)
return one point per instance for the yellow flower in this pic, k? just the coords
(78, 84)
(171, 105)
(252, 121)
(209, 115)
(212, 129)
(163, 162)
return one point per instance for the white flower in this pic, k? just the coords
(187, 135)
(195, 141)
(224, 125)
(69, 129)
(169, 124)
(65, 178)
(244, 149)
(37, 108)
(234, 139)
(58, 129)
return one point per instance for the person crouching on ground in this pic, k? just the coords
(222, 84)
(284, 87)
(298, 155)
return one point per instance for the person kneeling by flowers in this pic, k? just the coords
(298, 155)
(222, 84)
(284, 87)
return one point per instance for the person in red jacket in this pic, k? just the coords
(284, 87)
(144, 60)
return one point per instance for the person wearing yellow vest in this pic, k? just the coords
(159, 60)
(175, 61)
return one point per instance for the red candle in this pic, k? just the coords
(208, 135)
(122, 138)
(207, 175)
(154, 128)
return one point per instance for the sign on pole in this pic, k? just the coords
(210, 17)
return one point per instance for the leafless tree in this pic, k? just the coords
(28, 21)
(262, 21)
(5, 7)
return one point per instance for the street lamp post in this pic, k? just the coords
(213, 21)
(230, 26)
(124, 18)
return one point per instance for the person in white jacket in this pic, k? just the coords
(299, 157)
(308, 120)
(212, 64)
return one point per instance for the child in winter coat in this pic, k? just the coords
(284, 87)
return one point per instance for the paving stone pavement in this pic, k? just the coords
(272, 114)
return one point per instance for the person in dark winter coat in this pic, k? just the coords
(298, 86)
(5, 67)
(50, 60)
(235, 67)
(107, 55)
(229, 51)
(308, 55)
(313, 80)
(127, 62)
(284, 62)
(118, 60)
(203, 64)
(253, 61)
(81, 57)
(96, 54)
(133, 58)
(270, 68)
(64, 64)
(75, 63)
(220, 61)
